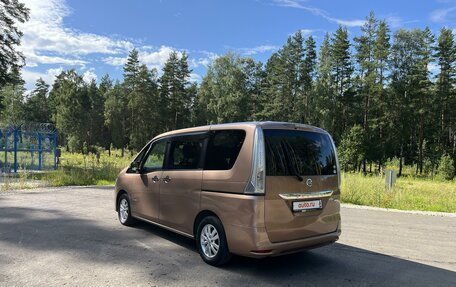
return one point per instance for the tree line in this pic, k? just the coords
(381, 95)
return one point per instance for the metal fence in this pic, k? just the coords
(30, 146)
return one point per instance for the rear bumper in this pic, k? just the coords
(254, 242)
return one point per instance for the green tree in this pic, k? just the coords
(116, 116)
(325, 95)
(445, 103)
(411, 93)
(175, 95)
(143, 104)
(352, 148)
(230, 89)
(365, 56)
(380, 119)
(13, 97)
(95, 115)
(446, 167)
(285, 79)
(342, 71)
(71, 101)
(309, 66)
(11, 59)
(37, 107)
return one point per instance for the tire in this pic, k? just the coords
(211, 242)
(124, 211)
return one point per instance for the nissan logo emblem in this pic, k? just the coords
(309, 182)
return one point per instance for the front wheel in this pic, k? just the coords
(124, 210)
(211, 242)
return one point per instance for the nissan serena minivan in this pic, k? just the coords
(255, 189)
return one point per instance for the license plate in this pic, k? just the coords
(306, 205)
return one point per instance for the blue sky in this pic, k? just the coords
(94, 37)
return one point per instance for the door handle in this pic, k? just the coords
(167, 179)
(155, 179)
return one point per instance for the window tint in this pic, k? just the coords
(185, 153)
(306, 153)
(156, 156)
(223, 149)
(137, 160)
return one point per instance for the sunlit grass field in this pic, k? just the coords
(409, 193)
(79, 169)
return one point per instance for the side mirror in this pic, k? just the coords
(135, 167)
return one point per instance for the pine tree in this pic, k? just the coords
(95, 115)
(105, 85)
(365, 47)
(131, 69)
(424, 91)
(342, 70)
(284, 92)
(379, 122)
(37, 106)
(325, 97)
(71, 102)
(445, 102)
(174, 92)
(411, 87)
(11, 59)
(143, 104)
(308, 75)
(116, 115)
(13, 97)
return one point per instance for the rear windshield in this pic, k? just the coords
(291, 152)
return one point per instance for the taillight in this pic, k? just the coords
(258, 174)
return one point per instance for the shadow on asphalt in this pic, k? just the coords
(97, 241)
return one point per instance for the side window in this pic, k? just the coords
(137, 161)
(156, 156)
(185, 153)
(223, 149)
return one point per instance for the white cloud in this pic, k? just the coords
(89, 75)
(307, 32)
(34, 60)
(195, 78)
(156, 59)
(257, 50)
(46, 40)
(441, 15)
(48, 76)
(153, 59)
(397, 21)
(115, 61)
(298, 4)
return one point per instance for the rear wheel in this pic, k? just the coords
(211, 241)
(124, 210)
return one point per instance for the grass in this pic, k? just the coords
(79, 169)
(409, 193)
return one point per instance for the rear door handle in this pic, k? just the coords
(155, 179)
(167, 179)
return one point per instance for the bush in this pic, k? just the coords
(446, 167)
(352, 148)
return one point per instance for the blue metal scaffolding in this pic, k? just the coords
(30, 146)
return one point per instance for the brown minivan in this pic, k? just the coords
(254, 189)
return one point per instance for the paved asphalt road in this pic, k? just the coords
(71, 236)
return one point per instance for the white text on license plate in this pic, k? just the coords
(306, 205)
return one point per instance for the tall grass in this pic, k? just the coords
(407, 194)
(79, 169)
